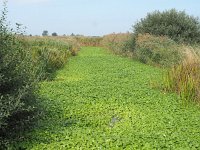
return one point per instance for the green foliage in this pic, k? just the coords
(175, 24)
(18, 76)
(157, 50)
(23, 62)
(103, 101)
(129, 44)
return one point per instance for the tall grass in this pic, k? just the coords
(59, 42)
(88, 41)
(51, 53)
(185, 78)
(119, 43)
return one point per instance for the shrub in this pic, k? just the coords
(129, 44)
(18, 76)
(175, 24)
(157, 50)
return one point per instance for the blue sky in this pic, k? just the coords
(88, 17)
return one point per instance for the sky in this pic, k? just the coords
(88, 17)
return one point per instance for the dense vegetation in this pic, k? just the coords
(23, 63)
(160, 40)
(121, 43)
(103, 101)
(52, 53)
(184, 79)
(18, 79)
(157, 50)
(99, 100)
(172, 23)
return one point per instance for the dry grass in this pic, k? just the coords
(116, 38)
(185, 78)
(89, 41)
(62, 42)
(119, 43)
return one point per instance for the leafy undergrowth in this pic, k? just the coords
(102, 101)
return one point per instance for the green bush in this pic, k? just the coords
(18, 76)
(175, 24)
(157, 50)
(130, 44)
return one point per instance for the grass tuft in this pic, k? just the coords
(185, 78)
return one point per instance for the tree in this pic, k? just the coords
(45, 33)
(72, 34)
(172, 23)
(54, 34)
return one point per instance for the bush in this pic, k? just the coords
(157, 50)
(175, 24)
(18, 76)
